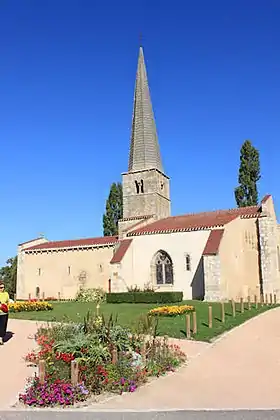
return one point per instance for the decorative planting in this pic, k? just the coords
(76, 361)
(171, 310)
(29, 306)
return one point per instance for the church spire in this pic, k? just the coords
(144, 147)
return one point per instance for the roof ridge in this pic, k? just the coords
(202, 213)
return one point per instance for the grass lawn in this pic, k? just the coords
(128, 315)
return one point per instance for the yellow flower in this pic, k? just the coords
(171, 310)
(29, 306)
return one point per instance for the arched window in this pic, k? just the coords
(164, 268)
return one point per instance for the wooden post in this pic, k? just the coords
(266, 299)
(223, 318)
(275, 299)
(42, 371)
(29, 297)
(109, 286)
(74, 372)
(43, 296)
(249, 303)
(188, 326)
(233, 308)
(114, 356)
(241, 305)
(270, 299)
(59, 296)
(194, 323)
(262, 300)
(143, 352)
(256, 302)
(210, 318)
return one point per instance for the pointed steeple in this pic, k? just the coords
(144, 147)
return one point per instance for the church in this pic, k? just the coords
(214, 256)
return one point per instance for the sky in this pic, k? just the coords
(67, 74)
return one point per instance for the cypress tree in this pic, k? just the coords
(246, 194)
(114, 210)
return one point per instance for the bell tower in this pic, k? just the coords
(145, 186)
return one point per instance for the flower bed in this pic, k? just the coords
(171, 310)
(110, 359)
(29, 306)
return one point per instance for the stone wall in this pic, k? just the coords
(152, 200)
(268, 244)
(212, 278)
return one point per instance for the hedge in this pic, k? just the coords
(145, 297)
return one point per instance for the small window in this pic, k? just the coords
(100, 268)
(188, 262)
(139, 186)
(69, 270)
(39, 271)
(278, 257)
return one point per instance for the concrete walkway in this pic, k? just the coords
(240, 370)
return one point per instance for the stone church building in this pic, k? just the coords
(211, 255)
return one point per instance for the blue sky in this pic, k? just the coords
(67, 72)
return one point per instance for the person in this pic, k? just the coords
(4, 299)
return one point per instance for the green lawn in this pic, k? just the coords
(128, 315)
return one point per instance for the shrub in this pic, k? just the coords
(171, 310)
(29, 306)
(145, 297)
(91, 295)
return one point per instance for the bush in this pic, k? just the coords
(145, 297)
(91, 295)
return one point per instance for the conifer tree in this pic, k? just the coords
(114, 210)
(246, 194)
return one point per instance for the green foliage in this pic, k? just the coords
(114, 210)
(96, 295)
(246, 194)
(145, 297)
(8, 274)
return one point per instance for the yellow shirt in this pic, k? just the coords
(4, 298)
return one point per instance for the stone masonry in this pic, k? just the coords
(268, 240)
(212, 278)
(145, 186)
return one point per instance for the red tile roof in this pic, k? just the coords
(104, 240)
(196, 221)
(120, 252)
(213, 242)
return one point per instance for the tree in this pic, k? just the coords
(8, 274)
(246, 194)
(114, 210)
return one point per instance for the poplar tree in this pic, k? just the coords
(246, 194)
(114, 210)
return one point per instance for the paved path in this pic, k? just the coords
(13, 368)
(241, 370)
(173, 415)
